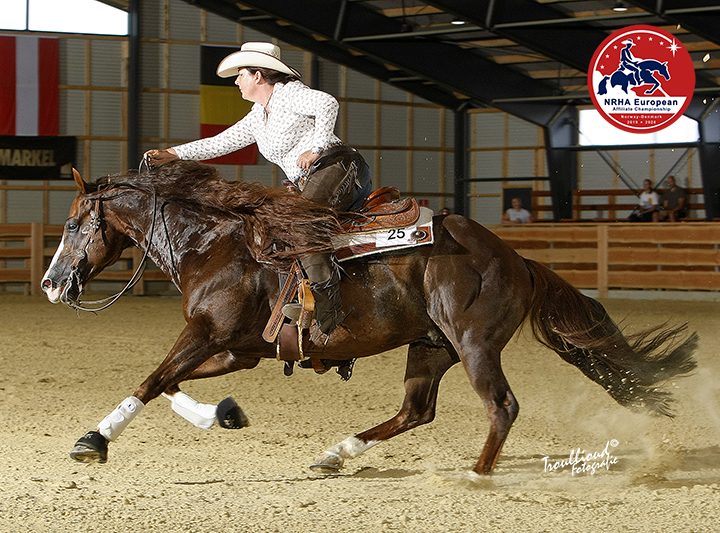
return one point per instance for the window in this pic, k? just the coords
(595, 130)
(71, 16)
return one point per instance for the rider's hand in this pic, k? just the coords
(156, 158)
(306, 160)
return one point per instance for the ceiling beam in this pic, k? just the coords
(445, 65)
(269, 26)
(698, 16)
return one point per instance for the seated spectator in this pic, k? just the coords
(516, 214)
(674, 202)
(647, 208)
(444, 211)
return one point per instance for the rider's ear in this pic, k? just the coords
(79, 181)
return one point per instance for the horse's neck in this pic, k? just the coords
(174, 232)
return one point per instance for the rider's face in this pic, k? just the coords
(247, 84)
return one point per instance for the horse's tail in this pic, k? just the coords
(602, 87)
(629, 368)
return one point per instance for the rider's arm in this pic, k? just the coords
(237, 136)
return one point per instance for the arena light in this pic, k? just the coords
(619, 7)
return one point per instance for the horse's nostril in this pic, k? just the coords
(46, 284)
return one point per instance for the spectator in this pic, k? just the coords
(516, 214)
(674, 202)
(647, 208)
(444, 211)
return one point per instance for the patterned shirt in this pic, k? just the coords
(298, 119)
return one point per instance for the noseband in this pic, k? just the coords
(90, 230)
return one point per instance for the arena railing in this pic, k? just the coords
(679, 256)
(26, 251)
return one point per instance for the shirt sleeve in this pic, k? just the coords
(237, 136)
(320, 105)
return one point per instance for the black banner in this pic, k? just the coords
(210, 57)
(41, 158)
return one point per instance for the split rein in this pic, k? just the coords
(91, 230)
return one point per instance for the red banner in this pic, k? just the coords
(29, 86)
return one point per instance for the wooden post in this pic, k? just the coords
(602, 260)
(37, 259)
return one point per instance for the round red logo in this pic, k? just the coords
(641, 79)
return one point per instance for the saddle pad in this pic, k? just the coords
(359, 244)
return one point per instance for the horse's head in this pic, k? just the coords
(88, 245)
(663, 70)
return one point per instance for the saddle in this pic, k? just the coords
(382, 210)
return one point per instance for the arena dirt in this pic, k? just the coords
(62, 373)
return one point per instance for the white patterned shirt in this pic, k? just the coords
(299, 119)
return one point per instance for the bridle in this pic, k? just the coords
(91, 230)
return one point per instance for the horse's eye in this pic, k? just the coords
(71, 225)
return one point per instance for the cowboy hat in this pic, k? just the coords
(259, 55)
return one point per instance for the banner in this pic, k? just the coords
(221, 104)
(35, 157)
(29, 85)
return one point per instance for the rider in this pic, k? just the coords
(628, 61)
(293, 128)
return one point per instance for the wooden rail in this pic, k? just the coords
(608, 205)
(26, 251)
(684, 255)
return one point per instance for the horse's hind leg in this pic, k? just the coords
(479, 324)
(489, 381)
(426, 366)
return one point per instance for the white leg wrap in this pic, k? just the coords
(113, 424)
(351, 447)
(200, 415)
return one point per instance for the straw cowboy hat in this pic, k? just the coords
(259, 55)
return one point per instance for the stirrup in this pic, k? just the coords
(292, 311)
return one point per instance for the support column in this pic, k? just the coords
(709, 153)
(134, 86)
(561, 134)
(462, 162)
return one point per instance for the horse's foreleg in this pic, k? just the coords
(653, 88)
(203, 415)
(189, 352)
(425, 368)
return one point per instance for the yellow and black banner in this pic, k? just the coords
(221, 104)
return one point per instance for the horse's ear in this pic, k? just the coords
(81, 185)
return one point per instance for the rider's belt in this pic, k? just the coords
(328, 157)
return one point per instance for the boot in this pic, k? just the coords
(328, 308)
(325, 286)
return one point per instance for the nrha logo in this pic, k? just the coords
(641, 79)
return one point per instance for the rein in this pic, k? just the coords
(94, 227)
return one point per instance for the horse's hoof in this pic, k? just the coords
(90, 448)
(327, 463)
(230, 416)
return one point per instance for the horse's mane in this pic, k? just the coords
(279, 225)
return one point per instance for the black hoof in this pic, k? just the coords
(90, 448)
(230, 416)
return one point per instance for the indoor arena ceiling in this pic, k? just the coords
(526, 57)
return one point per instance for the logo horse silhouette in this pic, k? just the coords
(644, 75)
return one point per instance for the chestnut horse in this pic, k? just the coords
(460, 299)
